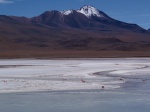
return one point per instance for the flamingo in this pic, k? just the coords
(121, 79)
(4, 80)
(83, 80)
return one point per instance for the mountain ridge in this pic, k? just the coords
(95, 17)
(59, 16)
(74, 31)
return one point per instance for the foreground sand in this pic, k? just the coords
(24, 75)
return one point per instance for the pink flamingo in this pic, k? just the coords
(4, 80)
(83, 80)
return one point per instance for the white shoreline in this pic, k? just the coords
(54, 75)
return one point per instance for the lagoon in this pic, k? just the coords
(55, 85)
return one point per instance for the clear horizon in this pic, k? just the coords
(136, 12)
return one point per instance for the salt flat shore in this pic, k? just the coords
(28, 75)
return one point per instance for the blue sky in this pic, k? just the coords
(131, 11)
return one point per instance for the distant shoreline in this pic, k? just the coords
(58, 54)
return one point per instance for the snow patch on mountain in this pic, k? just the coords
(67, 12)
(90, 11)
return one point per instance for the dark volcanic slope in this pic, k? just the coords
(84, 29)
(76, 19)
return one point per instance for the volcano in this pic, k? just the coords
(85, 32)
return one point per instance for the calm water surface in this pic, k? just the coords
(120, 100)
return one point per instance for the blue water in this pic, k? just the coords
(133, 96)
(119, 100)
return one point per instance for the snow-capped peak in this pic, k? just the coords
(90, 11)
(67, 12)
